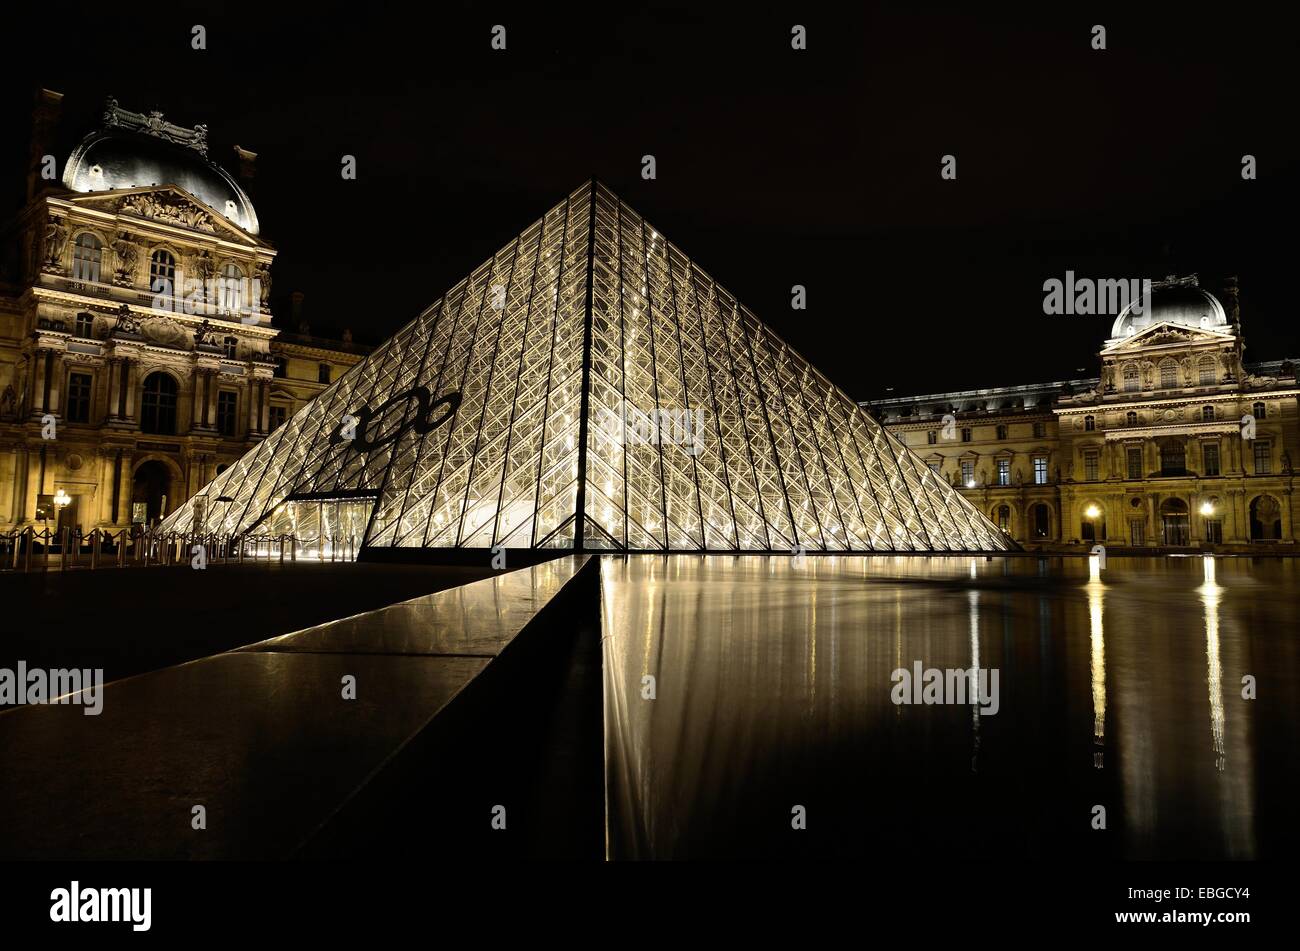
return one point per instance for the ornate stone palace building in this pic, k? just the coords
(137, 356)
(1178, 443)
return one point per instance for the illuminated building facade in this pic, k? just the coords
(137, 356)
(1178, 443)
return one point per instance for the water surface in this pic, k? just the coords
(1119, 688)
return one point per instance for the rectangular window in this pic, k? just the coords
(965, 435)
(1004, 472)
(1002, 432)
(1040, 470)
(227, 404)
(1173, 459)
(1090, 461)
(932, 437)
(230, 346)
(323, 374)
(1210, 454)
(1133, 456)
(934, 466)
(78, 398)
(278, 416)
(85, 325)
(967, 472)
(1263, 457)
(1040, 429)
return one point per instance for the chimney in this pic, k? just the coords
(45, 120)
(247, 164)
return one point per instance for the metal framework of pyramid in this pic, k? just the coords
(589, 387)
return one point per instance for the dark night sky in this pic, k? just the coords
(775, 167)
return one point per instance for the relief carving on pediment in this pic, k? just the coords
(167, 208)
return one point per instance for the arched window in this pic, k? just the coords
(1205, 370)
(1131, 418)
(162, 273)
(1132, 379)
(231, 291)
(1168, 375)
(158, 404)
(1089, 424)
(86, 255)
(1207, 414)
(1259, 411)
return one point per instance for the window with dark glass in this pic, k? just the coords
(1206, 370)
(1263, 457)
(1040, 429)
(1004, 472)
(1002, 432)
(1210, 455)
(1168, 375)
(278, 415)
(1133, 457)
(230, 345)
(1091, 460)
(1173, 459)
(86, 256)
(323, 373)
(1207, 414)
(966, 434)
(1131, 418)
(158, 404)
(1259, 411)
(85, 325)
(1132, 380)
(281, 366)
(1089, 424)
(79, 398)
(932, 437)
(227, 403)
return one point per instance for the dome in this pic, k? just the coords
(115, 158)
(1180, 302)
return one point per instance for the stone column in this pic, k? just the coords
(210, 408)
(129, 384)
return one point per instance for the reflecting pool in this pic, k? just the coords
(746, 696)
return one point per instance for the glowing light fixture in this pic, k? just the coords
(1207, 509)
(1092, 511)
(62, 498)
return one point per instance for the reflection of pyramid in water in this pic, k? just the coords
(590, 344)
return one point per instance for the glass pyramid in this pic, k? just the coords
(589, 387)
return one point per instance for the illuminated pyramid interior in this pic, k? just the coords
(590, 388)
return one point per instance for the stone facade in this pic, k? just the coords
(137, 356)
(1177, 443)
